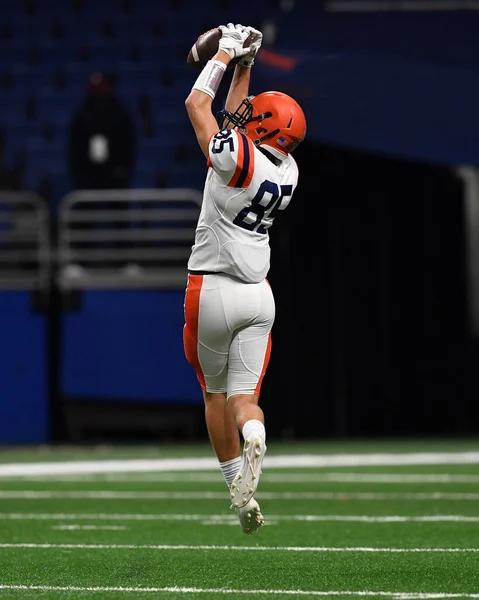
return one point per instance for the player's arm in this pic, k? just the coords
(239, 87)
(199, 101)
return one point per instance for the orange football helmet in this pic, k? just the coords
(270, 118)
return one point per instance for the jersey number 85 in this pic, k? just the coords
(265, 204)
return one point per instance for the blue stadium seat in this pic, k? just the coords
(156, 29)
(15, 52)
(17, 135)
(54, 109)
(76, 78)
(15, 146)
(29, 27)
(191, 175)
(12, 110)
(44, 159)
(129, 100)
(144, 177)
(156, 154)
(56, 53)
(138, 77)
(128, 29)
(95, 10)
(10, 7)
(168, 101)
(107, 55)
(27, 80)
(158, 53)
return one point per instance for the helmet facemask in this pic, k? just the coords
(242, 116)
(227, 120)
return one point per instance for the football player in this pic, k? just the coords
(229, 304)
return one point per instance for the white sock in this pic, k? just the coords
(230, 468)
(254, 427)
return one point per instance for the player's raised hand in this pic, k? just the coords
(254, 43)
(232, 39)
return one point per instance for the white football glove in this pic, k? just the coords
(232, 39)
(255, 44)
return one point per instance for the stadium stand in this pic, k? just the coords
(49, 49)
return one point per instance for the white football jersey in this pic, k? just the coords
(244, 190)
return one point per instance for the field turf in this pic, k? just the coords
(399, 531)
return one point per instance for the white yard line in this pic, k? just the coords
(266, 478)
(231, 517)
(369, 478)
(45, 546)
(75, 527)
(211, 464)
(154, 495)
(255, 592)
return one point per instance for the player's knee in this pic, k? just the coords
(238, 400)
(214, 397)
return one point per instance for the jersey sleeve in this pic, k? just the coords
(231, 156)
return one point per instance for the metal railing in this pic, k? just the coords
(126, 238)
(25, 257)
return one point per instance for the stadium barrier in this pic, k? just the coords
(121, 273)
(93, 311)
(25, 274)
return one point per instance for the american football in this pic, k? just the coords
(205, 48)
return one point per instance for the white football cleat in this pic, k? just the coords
(246, 481)
(250, 517)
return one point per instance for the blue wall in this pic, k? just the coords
(119, 345)
(127, 345)
(402, 84)
(24, 406)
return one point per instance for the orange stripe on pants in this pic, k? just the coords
(190, 330)
(267, 356)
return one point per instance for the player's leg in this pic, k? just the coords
(221, 425)
(246, 481)
(223, 434)
(216, 306)
(250, 420)
(207, 337)
(248, 361)
(245, 408)
(225, 439)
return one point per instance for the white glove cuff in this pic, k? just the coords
(230, 51)
(210, 77)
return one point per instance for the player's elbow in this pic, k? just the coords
(197, 102)
(189, 105)
(195, 113)
(192, 113)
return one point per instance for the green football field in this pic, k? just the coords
(364, 519)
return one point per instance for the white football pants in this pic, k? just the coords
(227, 332)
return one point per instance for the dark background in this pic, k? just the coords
(369, 262)
(372, 335)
